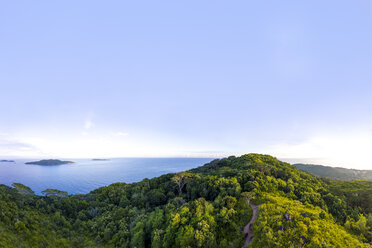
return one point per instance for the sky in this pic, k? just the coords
(292, 79)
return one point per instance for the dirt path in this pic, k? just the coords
(248, 234)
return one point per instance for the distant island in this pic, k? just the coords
(50, 162)
(100, 159)
(7, 161)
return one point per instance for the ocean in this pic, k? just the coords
(86, 175)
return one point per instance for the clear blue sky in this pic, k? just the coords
(187, 78)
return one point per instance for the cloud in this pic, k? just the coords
(12, 148)
(121, 134)
(88, 124)
(351, 150)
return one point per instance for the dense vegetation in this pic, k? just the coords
(336, 172)
(203, 207)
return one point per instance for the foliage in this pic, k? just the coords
(203, 207)
(181, 179)
(309, 226)
(24, 190)
(54, 193)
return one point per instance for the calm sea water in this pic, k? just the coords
(86, 175)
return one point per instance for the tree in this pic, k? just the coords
(138, 235)
(248, 196)
(54, 193)
(181, 179)
(24, 190)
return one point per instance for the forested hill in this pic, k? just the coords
(204, 207)
(336, 172)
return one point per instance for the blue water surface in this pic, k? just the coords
(86, 174)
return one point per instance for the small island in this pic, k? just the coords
(50, 162)
(100, 159)
(7, 161)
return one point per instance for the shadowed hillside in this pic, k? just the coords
(335, 172)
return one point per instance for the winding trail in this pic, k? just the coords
(248, 234)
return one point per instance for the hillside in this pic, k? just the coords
(204, 207)
(335, 172)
